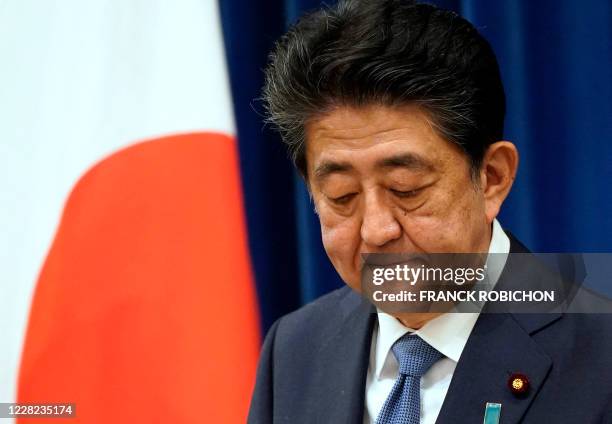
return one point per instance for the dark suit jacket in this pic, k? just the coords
(314, 363)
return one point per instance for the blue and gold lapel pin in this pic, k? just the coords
(492, 413)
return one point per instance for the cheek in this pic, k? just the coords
(449, 222)
(341, 239)
(427, 232)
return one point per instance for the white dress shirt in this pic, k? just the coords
(447, 333)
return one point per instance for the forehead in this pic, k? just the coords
(373, 138)
(361, 122)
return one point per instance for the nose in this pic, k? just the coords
(379, 225)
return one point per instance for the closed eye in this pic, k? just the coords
(343, 200)
(405, 194)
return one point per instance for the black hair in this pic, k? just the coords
(388, 52)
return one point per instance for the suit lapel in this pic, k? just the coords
(499, 345)
(343, 374)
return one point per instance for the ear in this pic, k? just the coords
(497, 175)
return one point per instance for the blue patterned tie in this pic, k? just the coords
(415, 357)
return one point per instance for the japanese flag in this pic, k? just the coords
(126, 287)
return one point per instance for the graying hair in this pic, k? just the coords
(387, 52)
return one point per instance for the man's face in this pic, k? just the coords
(383, 181)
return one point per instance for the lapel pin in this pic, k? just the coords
(518, 384)
(492, 413)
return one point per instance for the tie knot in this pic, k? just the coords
(415, 355)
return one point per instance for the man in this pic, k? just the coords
(393, 113)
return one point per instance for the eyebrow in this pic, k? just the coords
(409, 161)
(325, 168)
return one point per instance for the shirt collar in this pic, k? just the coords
(447, 333)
